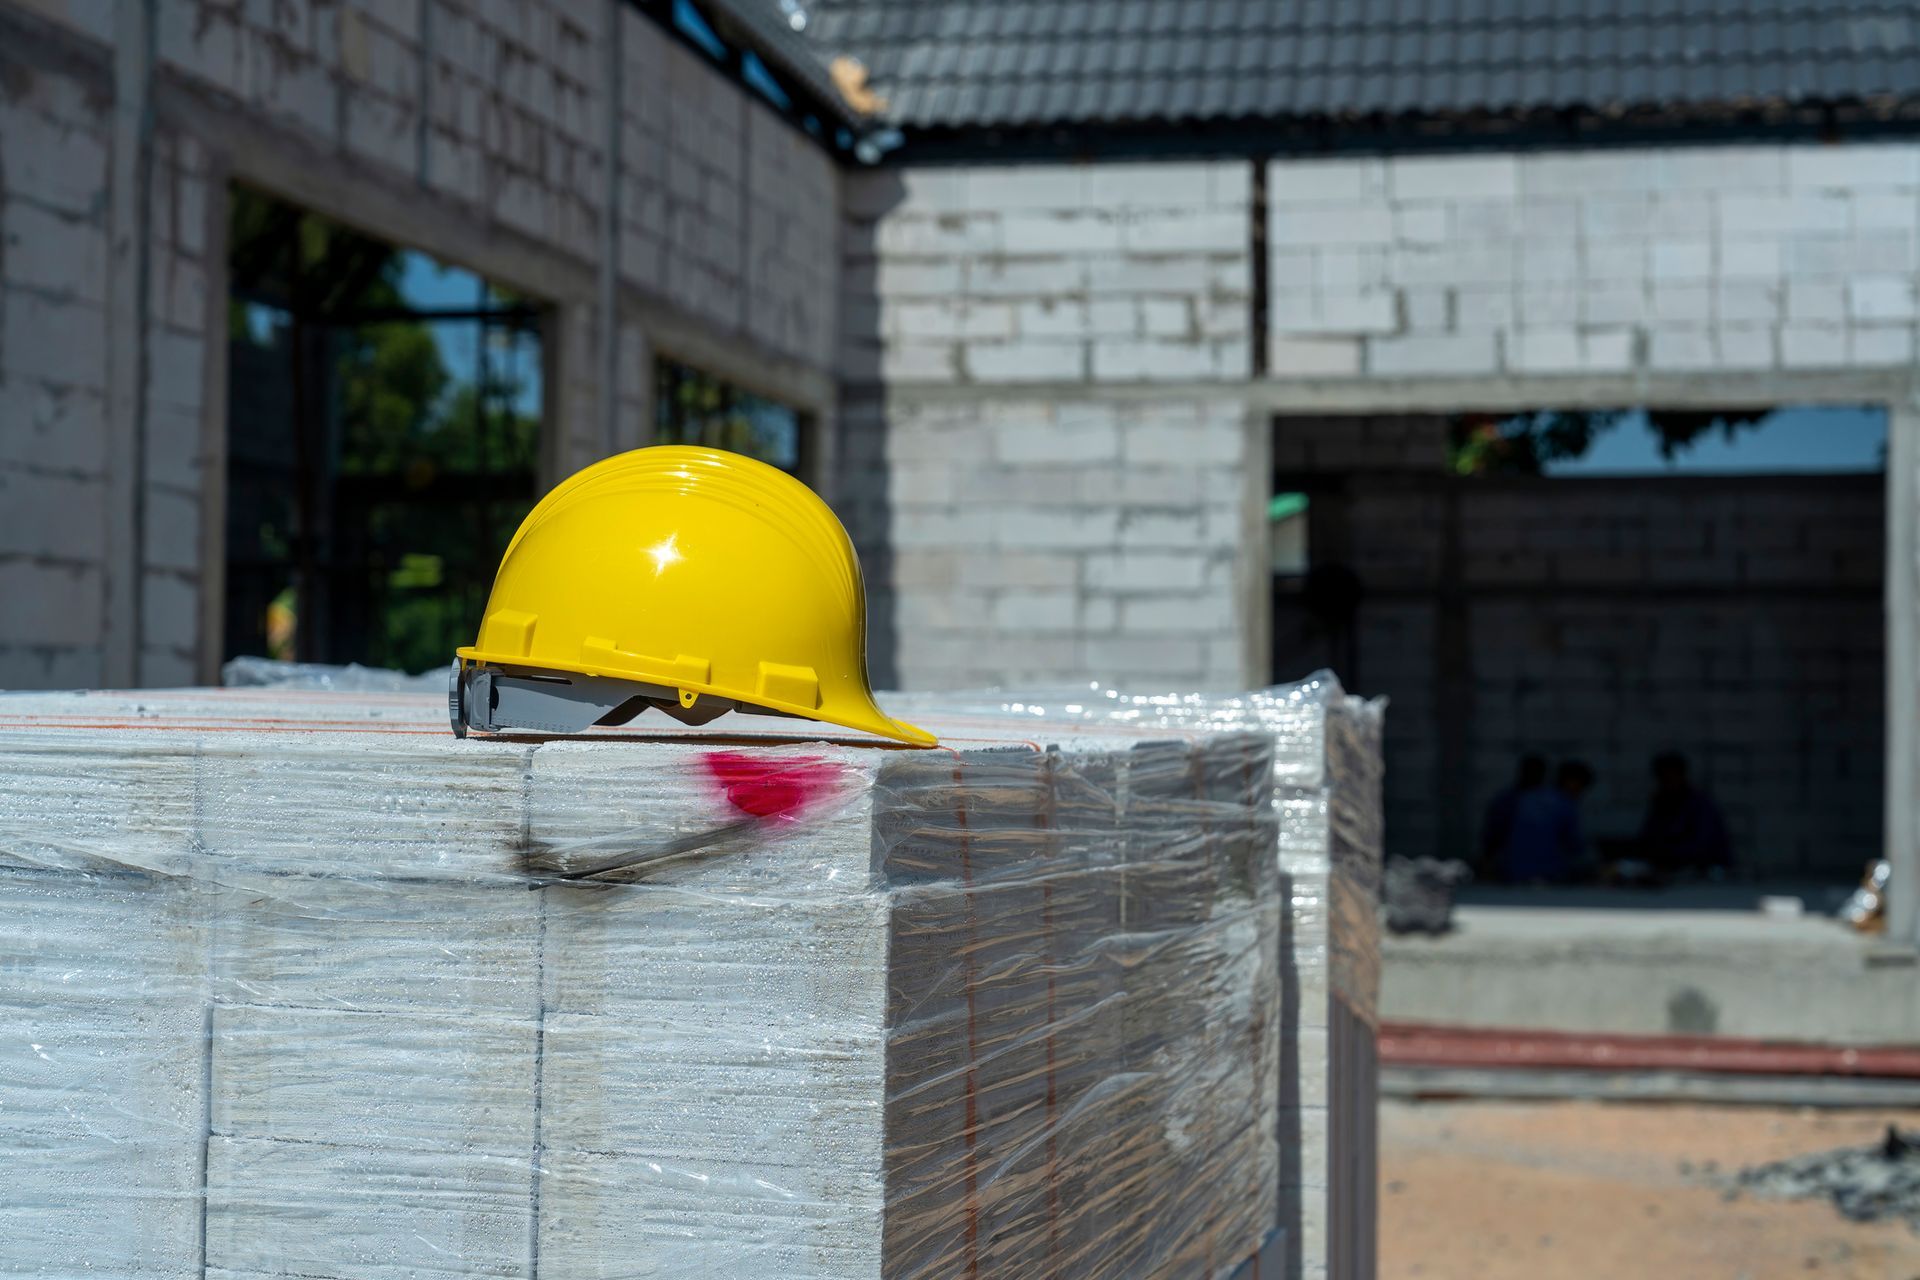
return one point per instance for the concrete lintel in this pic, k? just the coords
(1441, 395)
(904, 394)
(1612, 391)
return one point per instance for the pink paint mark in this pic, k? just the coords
(771, 787)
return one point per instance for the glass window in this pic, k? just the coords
(383, 420)
(691, 407)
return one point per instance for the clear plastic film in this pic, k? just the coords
(1327, 789)
(297, 984)
(1327, 771)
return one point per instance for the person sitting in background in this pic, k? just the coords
(1683, 831)
(1544, 844)
(1498, 823)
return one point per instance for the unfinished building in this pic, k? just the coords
(1052, 304)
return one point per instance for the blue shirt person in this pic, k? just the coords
(1544, 842)
(1497, 825)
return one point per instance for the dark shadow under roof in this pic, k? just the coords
(1014, 64)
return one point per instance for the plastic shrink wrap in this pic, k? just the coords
(295, 984)
(1327, 797)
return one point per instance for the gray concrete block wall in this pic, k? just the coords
(55, 134)
(1669, 260)
(56, 354)
(502, 107)
(181, 320)
(681, 200)
(475, 131)
(1081, 273)
(1038, 539)
(514, 99)
(490, 104)
(728, 205)
(792, 237)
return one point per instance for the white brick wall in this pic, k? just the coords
(1681, 259)
(1048, 273)
(1013, 539)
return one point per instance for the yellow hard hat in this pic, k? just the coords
(687, 579)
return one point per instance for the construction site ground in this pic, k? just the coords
(1566, 1190)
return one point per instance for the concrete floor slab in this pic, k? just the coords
(1655, 970)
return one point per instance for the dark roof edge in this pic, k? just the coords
(1465, 132)
(792, 61)
(786, 53)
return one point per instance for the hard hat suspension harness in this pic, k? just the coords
(495, 699)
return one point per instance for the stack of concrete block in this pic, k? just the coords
(1327, 795)
(296, 987)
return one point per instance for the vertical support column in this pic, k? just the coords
(608, 328)
(1254, 572)
(820, 450)
(128, 255)
(1903, 670)
(570, 421)
(213, 435)
(637, 389)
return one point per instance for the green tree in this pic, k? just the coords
(421, 475)
(1525, 444)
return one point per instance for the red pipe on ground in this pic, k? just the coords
(1408, 1044)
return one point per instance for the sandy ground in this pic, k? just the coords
(1553, 1191)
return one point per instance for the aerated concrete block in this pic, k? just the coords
(1008, 1007)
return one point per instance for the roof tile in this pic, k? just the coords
(954, 63)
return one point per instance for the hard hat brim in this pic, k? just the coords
(868, 719)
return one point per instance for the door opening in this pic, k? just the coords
(1635, 592)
